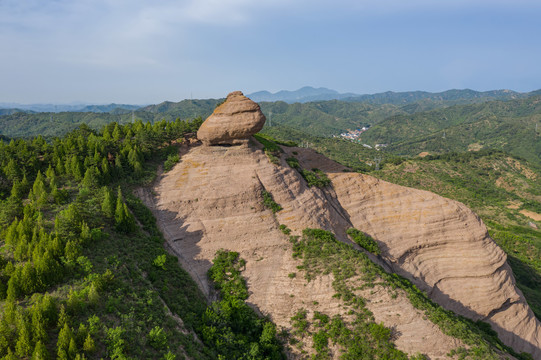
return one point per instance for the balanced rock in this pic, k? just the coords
(236, 119)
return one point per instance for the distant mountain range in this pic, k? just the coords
(421, 100)
(449, 97)
(11, 108)
(305, 94)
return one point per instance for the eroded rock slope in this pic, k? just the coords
(439, 244)
(212, 200)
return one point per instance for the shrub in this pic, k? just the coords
(170, 162)
(316, 178)
(157, 338)
(269, 202)
(160, 260)
(293, 162)
(270, 148)
(285, 229)
(364, 241)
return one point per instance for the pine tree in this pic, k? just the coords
(40, 352)
(76, 168)
(13, 288)
(120, 215)
(63, 318)
(124, 221)
(72, 349)
(50, 173)
(39, 331)
(93, 295)
(119, 170)
(89, 346)
(108, 203)
(59, 166)
(105, 170)
(85, 232)
(138, 169)
(117, 133)
(106, 134)
(64, 339)
(23, 347)
(12, 170)
(28, 279)
(90, 179)
(57, 195)
(72, 250)
(39, 190)
(10, 355)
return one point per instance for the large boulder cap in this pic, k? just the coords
(237, 118)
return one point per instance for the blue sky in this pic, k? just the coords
(144, 51)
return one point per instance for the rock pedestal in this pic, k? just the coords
(236, 119)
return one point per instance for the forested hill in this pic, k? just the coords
(56, 124)
(320, 118)
(445, 98)
(505, 125)
(83, 270)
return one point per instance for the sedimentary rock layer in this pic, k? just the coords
(442, 246)
(212, 200)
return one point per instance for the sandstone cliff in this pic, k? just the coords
(212, 199)
(442, 246)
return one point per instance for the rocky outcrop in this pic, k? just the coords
(212, 200)
(235, 120)
(441, 246)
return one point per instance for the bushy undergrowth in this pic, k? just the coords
(269, 202)
(316, 178)
(230, 325)
(364, 241)
(170, 162)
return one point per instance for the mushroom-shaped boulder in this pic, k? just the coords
(236, 119)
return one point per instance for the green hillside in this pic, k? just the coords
(326, 118)
(441, 99)
(506, 125)
(83, 270)
(57, 124)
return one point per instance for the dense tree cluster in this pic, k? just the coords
(55, 201)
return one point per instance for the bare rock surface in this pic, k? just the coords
(212, 200)
(235, 120)
(439, 244)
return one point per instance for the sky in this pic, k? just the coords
(147, 51)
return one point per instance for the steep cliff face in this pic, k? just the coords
(212, 200)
